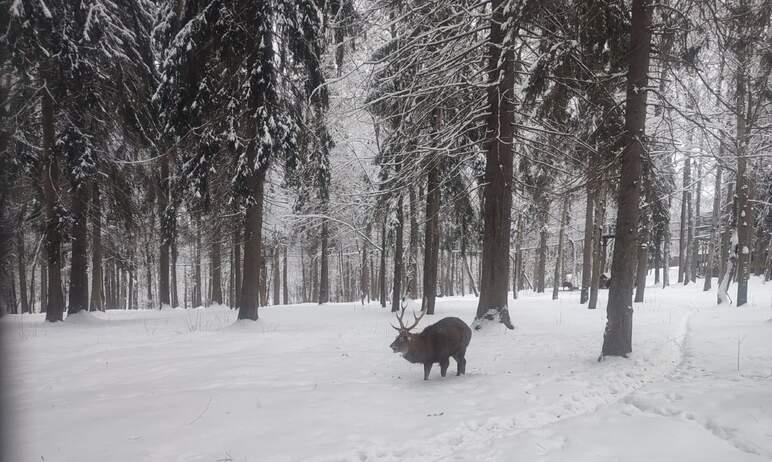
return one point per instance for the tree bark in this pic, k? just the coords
(285, 294)
(744, 211)
(364, 282)
(431, 235)
(253, 234)
(50, 180)
(617, 337)
(166, 232)
(396, 296)
(497, 194)
(587, 243)
(173, 296)
(21, 260)
(97, 299)
(412, 270)
(324, 280)
(561, 244)
(683, 244)
(382, 273)
(79, 256)
(714, 225)
(597, 235)
(666, 246)
(541, 262)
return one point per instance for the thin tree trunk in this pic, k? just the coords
(472, 285)
(657, 257)
(166, 233)
(744, 211)
(284, 278)
(714, 225)
(694, 221)
(617, 337)
(50, 180)
(587, 243)
(683, 245)
(396, 296)
(43, 287)
(237, 262)
(597, 235)
(666, 246)
(173, 298)
(21, 260)
(78, 292)
(412, 270)
(97, 299)
(559, 257)
(431, 234)
(541, 263)
(382, 274)
(324, 281)
(364, 284)
(197, 296)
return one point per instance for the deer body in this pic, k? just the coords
(445, 339)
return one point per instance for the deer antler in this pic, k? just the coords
(402, 315)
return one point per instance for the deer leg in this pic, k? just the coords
(427, 369)
(444, 366)
(460, 364)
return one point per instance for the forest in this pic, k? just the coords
(177, 171)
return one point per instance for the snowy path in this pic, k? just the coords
(319, 383)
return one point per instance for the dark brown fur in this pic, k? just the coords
(444, 339)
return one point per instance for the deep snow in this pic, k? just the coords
(320, 383)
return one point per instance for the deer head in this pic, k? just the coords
(401, 344)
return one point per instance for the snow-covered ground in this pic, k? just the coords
(320, 383)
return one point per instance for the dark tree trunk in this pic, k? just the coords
(541, 262)
(324, 280)
(559, 257)
(237, 262)
(744, 211)
(412, 270)
(173, 298)
(666, 245)
(97, 299)
(21, 261)
(587, 243)
(364, 281)
(263, 281)
(43, 287)
(50, 180)
(215, 267)
(714, 225)
(275, 267)
(657, 257)
(284, 278)
(617, 337)
(431, 234)
(518, 263)
(197, 280)
(253, 230)
(382, 273)
(691, 264)
(683, 244)
(79, 259)
(497, 194)
(694, 222)
(396, 295)
(642, 269)
(166, 233)
(472, 285)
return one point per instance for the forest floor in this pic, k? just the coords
(320, 383)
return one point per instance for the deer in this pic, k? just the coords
(448, 337)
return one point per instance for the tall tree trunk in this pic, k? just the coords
(50, 180)
(284, 278)
(21, 260)
(541, 262)
(166, 232)
(497, 194)
(412, 270)
(587, 243)
(324, 281)
(657, 257)
(364, 283)
(43, 287)
(382, 273)
(173, 296)
(431, 234)
(215, 266)
(666, 245)
(237, 260)
(253, 234)
(683, 244)
(691, 263)
(79, 256)
(617, 337)
(396, 295)
(694, 222)
(714, 225)
(197, 296)
(561, 244)
(275, 268)
(744, 210)
(97, 299)
(518, 268)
